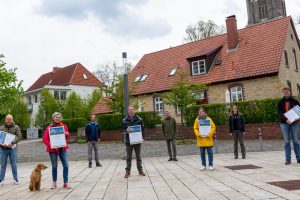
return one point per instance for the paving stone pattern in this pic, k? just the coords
(165, 180)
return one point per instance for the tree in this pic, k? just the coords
(74, 107)
(91, 101)
(202, 30)
(50, 106)
(183, 94)
(20, 113)
(10, 87)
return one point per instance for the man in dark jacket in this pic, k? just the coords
(132, 120)
(289, 129)
(92, 135)
(169, 131)
(10, 150)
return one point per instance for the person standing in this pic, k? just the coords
(205, 143)
(169, 132)
(289, 129)
(132, 120)
(237, 130)
(92, 135)
(10, 150)
(58, 152)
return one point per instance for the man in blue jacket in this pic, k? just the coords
(92, 135)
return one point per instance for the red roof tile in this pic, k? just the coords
(259, 53)
(69, 75)
(101, 107)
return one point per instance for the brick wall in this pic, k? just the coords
(269, 131)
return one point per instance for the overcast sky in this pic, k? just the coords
(37, 35)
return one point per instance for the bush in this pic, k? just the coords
(258, 111)
(113, 121)
(75, 123)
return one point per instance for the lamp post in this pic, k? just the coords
(43, 112)
(125, 77)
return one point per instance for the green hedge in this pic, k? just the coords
(75, 123)
(113, 121)
(258, 111)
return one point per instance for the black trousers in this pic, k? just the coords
(171, 142)
(238, 136)
(137, 150)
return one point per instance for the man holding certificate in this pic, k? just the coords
(55, 138)
(133, 129)
(10, 136)
(289, 124)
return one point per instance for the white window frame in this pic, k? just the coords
(60, 94)
(173, 72)
(144, 77)
(138, 78)
(159, 105)
(295, 60)
(235, 92)
(201, 69)
(84, 76)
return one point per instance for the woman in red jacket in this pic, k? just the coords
(55, 152)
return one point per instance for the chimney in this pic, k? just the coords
(232, 33)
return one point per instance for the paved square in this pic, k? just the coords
(165, 180)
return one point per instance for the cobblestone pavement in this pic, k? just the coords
(165, 180)
(32, 151)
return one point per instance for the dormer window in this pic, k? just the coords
(137, 79)
(84, 76)
(144, 77)
(173, 72)
(198, 67)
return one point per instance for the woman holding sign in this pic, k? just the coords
(55, 138)
(204, 129)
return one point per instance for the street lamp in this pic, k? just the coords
(43, 113)
(125, 76)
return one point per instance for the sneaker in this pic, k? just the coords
(202, 168)
(98, 164)
(67, 186)
(1, 183)
(244, 157)
(175, 159)
(16, 181)
(90, 164)
(235, 157)
(287, 162)
(211, 168)
(170, 159)
(53, 186)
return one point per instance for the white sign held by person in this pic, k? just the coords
(204, 127)
(135, 134)
(293, 114)
(57, 137)
(7, 138)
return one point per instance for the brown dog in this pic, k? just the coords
(36, 176)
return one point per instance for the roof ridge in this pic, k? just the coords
(247, 27)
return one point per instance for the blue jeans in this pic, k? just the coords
(288, 132)
(63, 155)
(12, 154)
(210, 156)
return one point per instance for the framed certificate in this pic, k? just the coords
(293, 114)
(6, 138)
(135, 134)
(204, 127)
(57, 137)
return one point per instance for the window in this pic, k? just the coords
(158, 105)
(173, 72)
(263, 9)
(29, 100)
(200, 95)
(177, 110)
(198, 67)
(289, 84)
(292, 37)
(35, 98)
(298, 90)
(143, 78)
(286, 59)
(295, 60)
(49, 82)
(85, 76)
(137, 78)
(60, 95)
(236, 93)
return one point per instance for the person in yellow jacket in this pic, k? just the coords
(205, 142)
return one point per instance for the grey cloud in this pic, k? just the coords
(112, 13)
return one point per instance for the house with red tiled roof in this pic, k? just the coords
(102, 107)
(61, 81)
(251, 63)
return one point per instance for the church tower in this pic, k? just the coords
(263, 10)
